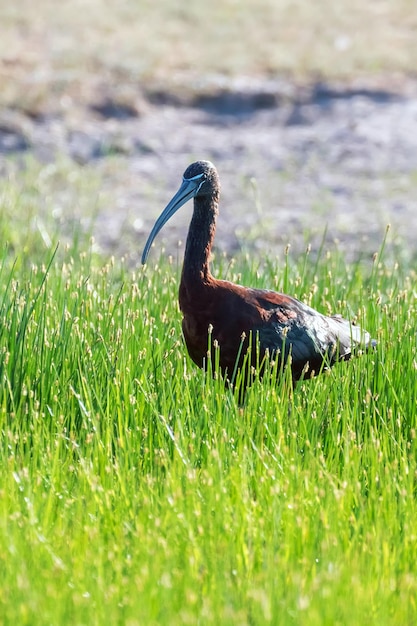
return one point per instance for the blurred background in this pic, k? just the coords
(308, 110)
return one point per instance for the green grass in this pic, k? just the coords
(135, 489)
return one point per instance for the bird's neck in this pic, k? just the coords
(201, 233)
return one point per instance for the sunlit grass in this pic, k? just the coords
(135, 488)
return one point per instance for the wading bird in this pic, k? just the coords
(274, 325)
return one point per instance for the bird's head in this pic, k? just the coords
(204, 175)
(199, 180)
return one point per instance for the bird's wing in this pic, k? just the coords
(291, 327)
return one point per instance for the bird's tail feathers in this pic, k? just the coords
(359, 338)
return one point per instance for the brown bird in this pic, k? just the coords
(279, 326)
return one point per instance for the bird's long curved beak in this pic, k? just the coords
(188, 190)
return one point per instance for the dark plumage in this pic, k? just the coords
(281, 324)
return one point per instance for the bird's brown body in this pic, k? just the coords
(277, 324)
(274, 323)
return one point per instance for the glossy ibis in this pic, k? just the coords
(282, 327)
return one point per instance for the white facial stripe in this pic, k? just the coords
(194, 177)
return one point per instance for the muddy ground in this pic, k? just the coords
(292, 161)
